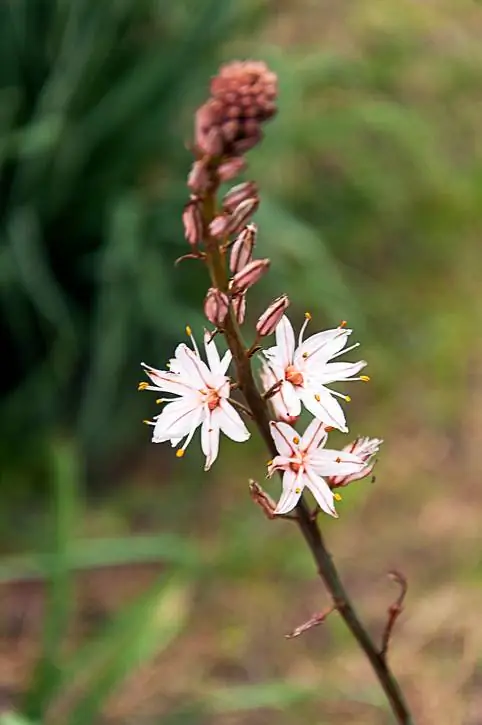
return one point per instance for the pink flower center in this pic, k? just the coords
(293, 376)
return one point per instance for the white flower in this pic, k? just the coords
(364, 448)
(203, 392)
(305, 462)
(304, 371)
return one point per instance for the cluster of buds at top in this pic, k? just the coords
(228, 124)
(243, 96)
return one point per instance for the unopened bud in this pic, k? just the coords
(239, 307)
(198, 180)
(249, 275)
(216, 306)
(193, 223)
(231, 168)
(268, 321)
(242, 214)
(242, 249)
(238, 194)
(220, 226)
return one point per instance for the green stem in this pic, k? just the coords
(307, 524)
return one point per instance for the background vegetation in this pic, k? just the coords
(134, 587)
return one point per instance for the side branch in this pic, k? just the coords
(394, 611)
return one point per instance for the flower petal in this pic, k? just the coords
(176, 419)
(284, 437)
(230, 422)
(290, 396)
(193, 368)
(285, 342)
(225, 362)
(314, 436)
(332, 372)
(279, 463)
(212, 353)
(324, 406)
(167, 381)
(292, 490)
(321, 491)
(209, 441)
(327, 462)
(364, 447)
(320, 347)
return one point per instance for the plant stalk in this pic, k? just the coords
(308, 525)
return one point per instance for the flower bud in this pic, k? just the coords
(239, 307)
(192, 221)
(231, 168)
(242, 214)
(242, 249)
(216, 306)
(220, 226)
(249, 275)
(268, 321)
(198, 180)
(238, 194)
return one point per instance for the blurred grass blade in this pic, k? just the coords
(60, 595)
(277, 695)
(164, 549)
(14, 718)
(137, 634)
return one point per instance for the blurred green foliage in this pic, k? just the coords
(93, 100)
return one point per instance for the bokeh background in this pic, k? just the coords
(134, 587)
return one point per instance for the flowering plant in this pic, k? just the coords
(294, 373)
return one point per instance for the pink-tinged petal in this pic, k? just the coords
(167, 381)
(320, 347)
(271, 353)
(364, 447)
(321, 491)
(290, 395)
(324, 407)
(284, 437)
(193, 368)
(279, 463)
(209, 441)
(280, 410)
(314, 436)
(212, 354)
(272, 371)
(285, 342)
(332, 372)
(292, 490)
(337, 481)
(327, 462)
(224, 390)
(225, 362)
(230, 422)
(176, 420)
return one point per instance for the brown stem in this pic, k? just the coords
(308, 525)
